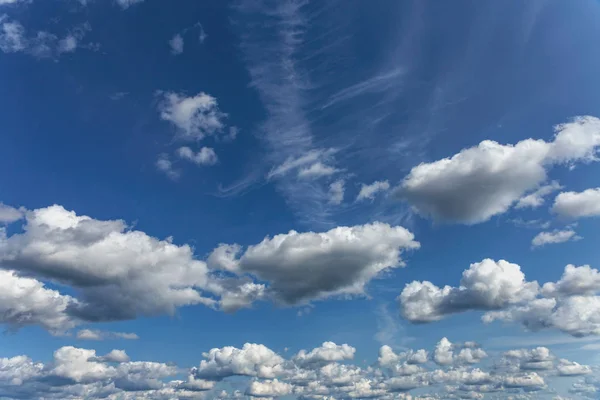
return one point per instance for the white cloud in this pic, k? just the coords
(165, 165)
(443, 354)
(578, 205)
(127, 3)
(571, 368)
(486, 285)
(91, 334)
(120, 273)
(575, 281)
(206, 155)
(571, 305)
(76, 373)
(305, 266)
(536, 199)
(14, 39)
(327, 353)
(9, 214)
(317, 170)
(116, 356)
(554, 237)
(272, 388)
(483, 181)
(336, 192)
(5, 2)
(26, 301)
(370, 191)
(176, 43)
(251, 360)
(194, 117)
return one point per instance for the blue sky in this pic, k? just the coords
(314, 190)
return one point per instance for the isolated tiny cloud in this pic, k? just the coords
(483, 181)
(194, 117)
(571, 305)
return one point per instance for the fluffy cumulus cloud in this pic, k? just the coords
(304, 266)
(124, 4)
(194, 117)
(76, 373)
(571, 304)
(251, 360)
(486, 285)
(578, 205)
(327, 353)
(483, 181)
(314, 164)
(120, 273)
(26, 301)
(554, 237)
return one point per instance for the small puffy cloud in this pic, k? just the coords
(206, 155)
(486, 285)
(583, 280)
(537, 198)
(328, 352)
(554, 237)
(578, 205)
(90, 334)
(251, 360)
(10, 214)
(483, 181)
(370, 191)
(443, 354)
(165, 165)
(336, 192)
(176, 44)
(269, 388)
(301, 267)
(571, 368)
(194, 117)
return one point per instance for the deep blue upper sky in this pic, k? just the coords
(273, 164)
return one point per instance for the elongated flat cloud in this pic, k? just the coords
(554, 237)
(305, 266)
(578, 205)
(571, 304)
(483, 181)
